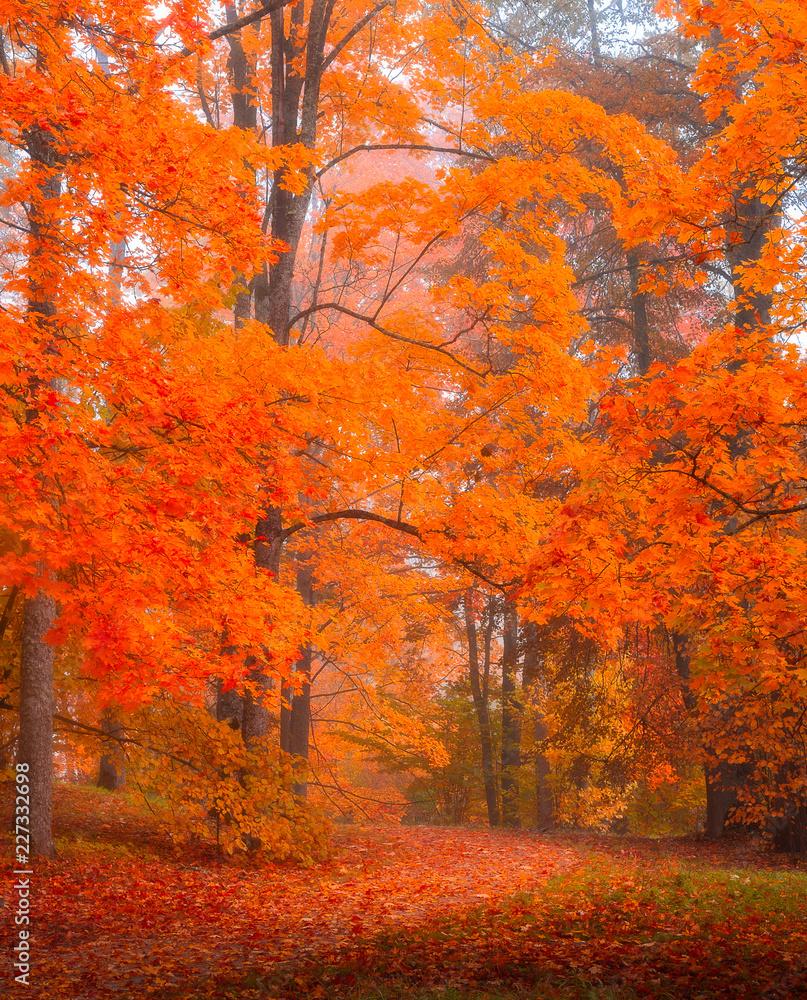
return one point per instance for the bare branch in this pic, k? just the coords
(356, 514)
(352, 515)
(326, 62)
(257, 15)
(370, 321)
(247, 19)
(417, 147)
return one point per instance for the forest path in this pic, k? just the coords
(110, 924)
(403, 913)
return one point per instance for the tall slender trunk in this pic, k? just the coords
(255, 710)
(532, 679)
(480, 697)
(544, 793)
(111, 769)
(39, 611)
(511, 720)
(641, 324)
(594, 31)
(300, 719)
(243, 94)
(296, 65)
(747, 234)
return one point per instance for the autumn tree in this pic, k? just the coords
(706, 451)
(110, 494)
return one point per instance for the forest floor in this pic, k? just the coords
(402, 913)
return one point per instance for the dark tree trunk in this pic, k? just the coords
(480, 697)
(111, 771)
(296, 66)
(594, 32)
(544, 796)
(721, 793)
(641, 324)
(511, 721)
(286, 698)
(721, 797)
(243, 93)
(747, 235)
(531, 679)
(255, 710)
(229, 706)
(791, 835)
(300, 722)
(300, 716)
(255, 718)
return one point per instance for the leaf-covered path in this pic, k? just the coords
(121, 922)
(399, 911)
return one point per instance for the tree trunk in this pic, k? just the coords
(36, 718)
(594, 32)
(243, 91)
(39, 612)
(255, 711)
(720, 796)
(641, 324)
(111, 771)
(532, 678)
(544, 796)
(482, 714)
(511, 721)
(229, 706)
(300, 720)
(286, 699)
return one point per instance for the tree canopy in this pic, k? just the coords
(404, 410)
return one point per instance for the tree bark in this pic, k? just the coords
(39, 612)
(721, 796)
(511, 721)
(243, 94)
(255, 710)
(482, 713)
(594, 32)
(111, 772)
(36, 717)
(300, 716)
(532, 677)
(544, 795)
(641, 324)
